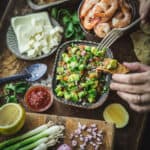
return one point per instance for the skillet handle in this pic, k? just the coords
(15, 77)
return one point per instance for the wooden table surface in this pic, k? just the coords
(128, 138)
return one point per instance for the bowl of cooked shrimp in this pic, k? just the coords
(99, 17)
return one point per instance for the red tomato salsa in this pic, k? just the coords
(38, 98)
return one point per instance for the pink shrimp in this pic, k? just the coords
(102, 29)
(87, 5)
(90, 21)
(108, 8)
(123, 17)
(99, 9)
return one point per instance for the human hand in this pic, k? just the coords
(134, 87)
(144, 10)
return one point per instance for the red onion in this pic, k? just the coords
(64, 147)
(74, 143)
(87, 135)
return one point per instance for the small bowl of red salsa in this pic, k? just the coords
(38, 98)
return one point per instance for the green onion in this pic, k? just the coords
(51, 142)
(44, 146)
(52, 132)
(26, 135)
(35, 144)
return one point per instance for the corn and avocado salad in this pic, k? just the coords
(77, 81)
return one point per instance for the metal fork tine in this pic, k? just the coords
(114, 35)
(112, 40)
(111, 37)
(108, 36)
(118, 33)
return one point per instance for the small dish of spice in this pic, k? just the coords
(38, 98)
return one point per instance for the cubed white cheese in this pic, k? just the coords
(45, 50)
(35, 34)
(38, 37)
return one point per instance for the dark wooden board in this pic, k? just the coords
(128, 138)
(34, 120)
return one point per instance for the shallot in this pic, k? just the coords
(64, 147)
(87, 135)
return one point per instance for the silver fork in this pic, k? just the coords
(115, 34)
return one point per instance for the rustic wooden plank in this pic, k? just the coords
(34, 120)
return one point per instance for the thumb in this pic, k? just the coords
(137, 67)
(144, 10)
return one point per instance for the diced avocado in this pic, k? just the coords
(95, 84)
(112, 64)
(92, 95)
(74, 49)
(60, 93)
(58, 88)
(74, 97)
(91, 98)
(94, 51)
(65, 57)
(92, 92)
(83, 85)
(60, 70)
(71, 84)
(67, 95)
(82, 67)
(59, 77)
(104, 49)
(62, 83)
(74, 77)
(78, 53)
(73, 88)
(89, 82)
(73, 59)
(87, 48)
(100, 53)
(82, 94)
(73, 65)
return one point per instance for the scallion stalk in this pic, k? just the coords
(24, 136)
(51, 132)
(35, 144)
(44, 146)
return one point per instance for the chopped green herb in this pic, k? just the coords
(11, 90)
(71, 23)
